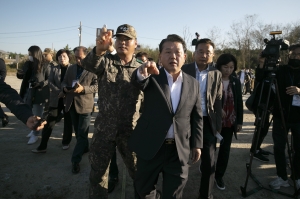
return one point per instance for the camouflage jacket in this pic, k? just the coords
(117, 96)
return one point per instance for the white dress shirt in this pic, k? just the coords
(202, 79)
(175, 91)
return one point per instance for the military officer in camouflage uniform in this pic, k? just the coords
(119, 103)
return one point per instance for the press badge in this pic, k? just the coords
(296, 100)
(74, 83)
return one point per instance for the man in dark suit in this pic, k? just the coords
(170, 128)
(79, 101)
(210, 80)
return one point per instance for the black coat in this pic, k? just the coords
(2, 69)
(284, 76)
(238, 102)
(39, 94)
(157, 117)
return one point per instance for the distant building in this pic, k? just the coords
(4, 55)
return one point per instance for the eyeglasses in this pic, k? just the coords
(294, 55)
(208, 54)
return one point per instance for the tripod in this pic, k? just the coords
(263, 106)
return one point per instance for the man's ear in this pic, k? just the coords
(135, 43)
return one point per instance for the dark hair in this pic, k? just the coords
(37, 55)
(172, 38)
(61, 51)
(141, 54)
(293, 47)
(225, 59)
(205, 41)
(84, 49)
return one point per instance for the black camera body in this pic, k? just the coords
(272, 51)
(33, 82)
(194, 41)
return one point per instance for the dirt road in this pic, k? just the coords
(42, 176)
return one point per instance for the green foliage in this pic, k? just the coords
(14, 55)
(67, 47)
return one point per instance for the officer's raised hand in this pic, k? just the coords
(148, 68)
(103, 41)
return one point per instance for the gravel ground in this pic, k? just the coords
(33, 176)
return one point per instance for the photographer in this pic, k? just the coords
(258, 152)
(56, 105)
(33, 88)
(288, 78)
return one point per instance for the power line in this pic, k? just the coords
(88, 27)
(37, 30)
(38, 35)
(89, 33)
(39, 42)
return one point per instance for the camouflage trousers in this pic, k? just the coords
(101, 151)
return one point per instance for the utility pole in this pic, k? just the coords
(80, 34)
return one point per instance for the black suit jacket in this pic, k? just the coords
(238, 102)
(157, 117)
(213, 94)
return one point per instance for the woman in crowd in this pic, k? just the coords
(232, 113)
(56, 103)
(33, 85)
(3, 72)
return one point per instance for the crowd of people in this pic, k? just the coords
(169, 113)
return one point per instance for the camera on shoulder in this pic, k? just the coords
(271, 53)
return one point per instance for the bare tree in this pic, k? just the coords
(261, 32)
(240, 36)
(292, 32)
(187, 37)
(215, 34)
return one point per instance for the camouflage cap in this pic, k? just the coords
(48, 51)
(126, 30)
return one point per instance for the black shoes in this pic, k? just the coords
(112, 182)
(220, 183)
(263, 152)
(75, 167)
(259, 156)
(5, 120)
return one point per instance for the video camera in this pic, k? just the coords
(33, 82)
(272, 51)
(194, 41)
